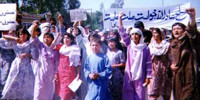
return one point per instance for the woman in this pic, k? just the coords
(160, 82)
(20, 82)
(69, 60)
(138, 64)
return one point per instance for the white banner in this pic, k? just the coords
(151, 17)
(78, 15)
(7, 17)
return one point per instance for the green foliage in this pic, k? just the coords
(95, 20)
(62, 6)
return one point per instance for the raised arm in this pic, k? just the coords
(55, 41)
(76, 23)
(33, 33)
(191, 12)
(120, 19)
(75, 27)
(125, 37)
(11, 37)
(192, 25)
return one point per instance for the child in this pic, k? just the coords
(69, 61)
(97, 69)
(20, 82)
(138, 64)
(46, 68)
(117, 60)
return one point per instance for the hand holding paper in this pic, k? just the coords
(75, 84)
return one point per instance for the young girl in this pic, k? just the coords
(69, 60)
(160, 83)
(7, 55)
(46, 68)
(117, 60)
(97, 69)
(20, 82)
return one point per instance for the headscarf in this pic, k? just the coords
(136, 68)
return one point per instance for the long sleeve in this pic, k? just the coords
(125, 37)
(148, 64)
(7, 44)
(87, 70)
(192, 30)
(108, 69)
(34, 53)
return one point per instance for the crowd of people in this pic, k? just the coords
(130, 63)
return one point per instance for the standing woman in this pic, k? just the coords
(69, 60)
(138, 64)
(20, 82)
(160, 83)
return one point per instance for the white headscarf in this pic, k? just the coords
(136, 68)
(159, 49)
(73, 52)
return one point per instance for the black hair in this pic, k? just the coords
(118, 38)
(116, 33)
(49, 34)
(96, 41)
(42, 19)
(95, 35)
(19, 16)
(112, 39)
(71, 37)
(139, 24)
(54, 21)
(159, 32)
(179, 24)
(24, 31)
(38, 30)
(79, 31)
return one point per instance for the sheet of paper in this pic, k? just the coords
(75, 84)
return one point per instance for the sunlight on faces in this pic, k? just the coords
(177, 31)
(53, 29)
(135, 37)
(96, 46)
(156, 35)
(67, 40)
(47, 40)
(112, 44)
(23, 37)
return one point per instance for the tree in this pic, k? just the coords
(117, 4)
(96, 20)
(72, 4)
(101, 7)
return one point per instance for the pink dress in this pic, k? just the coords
(66, 73)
